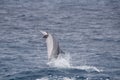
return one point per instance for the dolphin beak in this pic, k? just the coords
(45, 34)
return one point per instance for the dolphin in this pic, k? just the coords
(53, 48)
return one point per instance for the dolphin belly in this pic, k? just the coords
(53, 48)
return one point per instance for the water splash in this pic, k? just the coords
(63, 61)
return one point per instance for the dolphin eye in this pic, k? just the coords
(45, 36)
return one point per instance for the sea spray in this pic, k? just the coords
(63, 61)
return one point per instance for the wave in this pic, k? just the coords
(64, 78)
(60, 69)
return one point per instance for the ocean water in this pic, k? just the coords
(88, 32)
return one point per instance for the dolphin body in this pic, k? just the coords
(53, 48)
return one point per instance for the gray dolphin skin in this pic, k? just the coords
(53, 48)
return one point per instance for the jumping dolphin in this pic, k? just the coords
(53, 48)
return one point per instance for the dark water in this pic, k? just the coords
(87, 29)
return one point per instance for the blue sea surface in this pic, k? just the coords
(89, 30)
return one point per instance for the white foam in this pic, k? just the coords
(66, 78)
(87, 68)
(44, 78)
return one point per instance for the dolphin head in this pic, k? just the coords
(45, 34)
